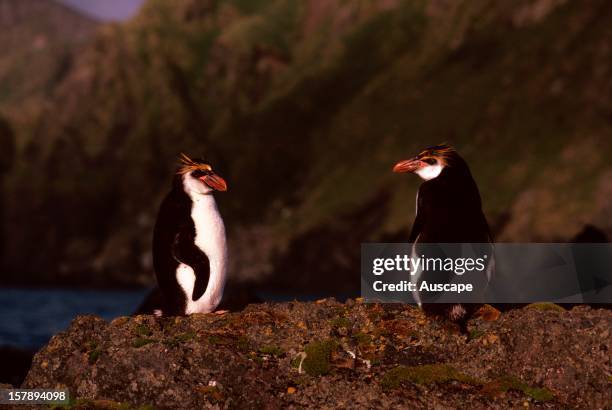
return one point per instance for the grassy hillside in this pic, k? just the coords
(304, 107)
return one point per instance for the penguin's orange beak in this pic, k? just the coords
(215, 182)
(409, 165)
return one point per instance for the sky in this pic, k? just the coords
(106, 10)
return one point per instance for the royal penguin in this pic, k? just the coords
(189, 243)
(448, 210)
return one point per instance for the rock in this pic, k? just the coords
(328, 354)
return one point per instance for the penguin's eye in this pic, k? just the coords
(430, 161)
(198, 173)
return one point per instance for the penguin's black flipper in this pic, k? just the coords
(186, 251)
(416, 229)
(417, 226)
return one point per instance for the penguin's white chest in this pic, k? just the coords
(209, 229)
(210, 239)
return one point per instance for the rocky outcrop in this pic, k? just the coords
(327, 354)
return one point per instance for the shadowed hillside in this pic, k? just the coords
(38, 42)
(303, 107)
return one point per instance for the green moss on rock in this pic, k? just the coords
(215, 340)
(425, 374)
(180, 338)
(362, 339)
(143, 330)
(442, 373)
(318, 357)
(142, 341)
(94, 355)
(271, 350)
(536, 393)
(184, 337)
(295, 362)
(341, 322)
(100, 404)
(243, 344)
(475, 333)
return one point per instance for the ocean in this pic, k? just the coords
(29, 317)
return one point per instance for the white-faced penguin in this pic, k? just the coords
(449, 210)
(189, 245)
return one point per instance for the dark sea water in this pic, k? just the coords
(28, 318)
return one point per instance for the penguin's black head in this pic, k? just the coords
(430, 162)
(198, 176)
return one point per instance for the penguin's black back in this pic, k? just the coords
(173, 243)
(450, 208)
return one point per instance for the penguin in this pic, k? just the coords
(448, 210)
(189, 243)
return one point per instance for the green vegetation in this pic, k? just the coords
(361, 338)
(513, 383)
(184, 337)
(215, 340)
(142, 341)
(318, 356)
(475, 334)
(143, 330)
(295, 362)
(341, 322)
(179, 339)
(100, 404)
(94, 355)
(243, 344)
(442, 373)
(426, 374)
(271, 350)
(94, 352)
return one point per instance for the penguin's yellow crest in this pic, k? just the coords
(189, 165)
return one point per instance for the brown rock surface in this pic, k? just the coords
(327, 354)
